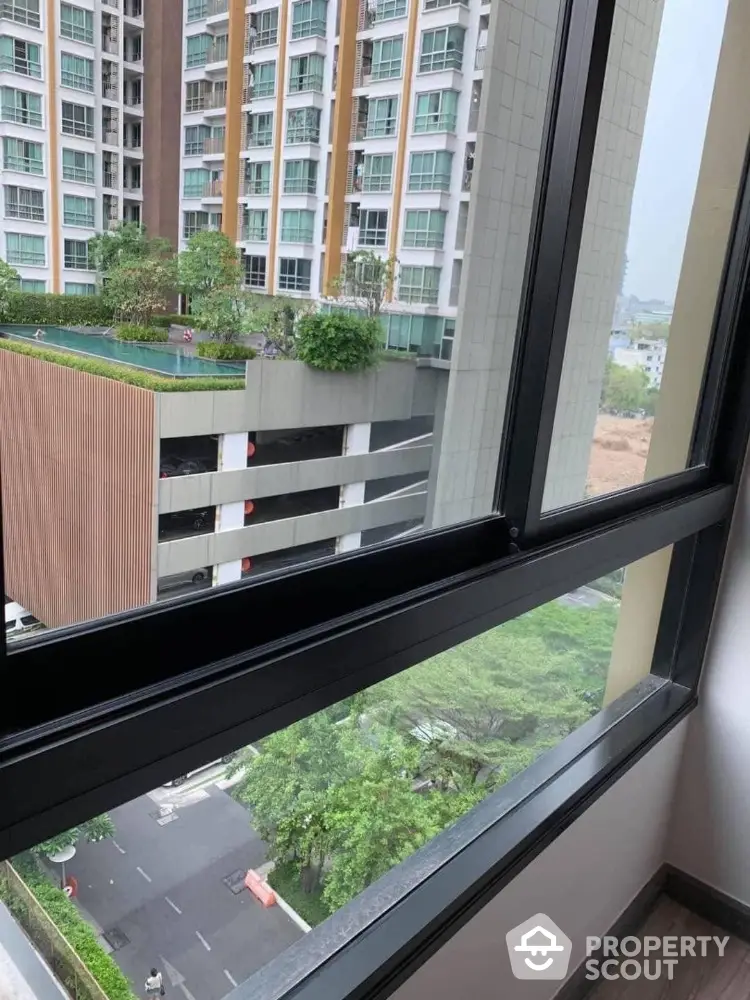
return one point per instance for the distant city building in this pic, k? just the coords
(647, 355)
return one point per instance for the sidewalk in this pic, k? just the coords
(24, 975)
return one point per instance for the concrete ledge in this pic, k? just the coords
(186, 554)
(207, 489)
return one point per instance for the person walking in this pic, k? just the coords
(154, 984)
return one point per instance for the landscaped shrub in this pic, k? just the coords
(79, 934)
(338, 342)
(121, 373)
(58, 310)
(221, 351)
(152, 334)
(169, 318)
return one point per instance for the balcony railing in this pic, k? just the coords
(110, 180)
(23, 164)
(218, 51)
(479, 57)
(110, 91)
(216, 99)
(136, 144)
(199, 103)
(110, 44)
(213, 189)
(259, 186)
(213, 145)
(110, 138)
(216, 7)
(32, 213)
(435, 122)
(466, 181)
(25, 67)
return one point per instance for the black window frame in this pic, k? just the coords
(70, 751)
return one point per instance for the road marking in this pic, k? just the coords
(230, 977)
(120, 849)
(173, 905)
(147, 877)
(203, 941)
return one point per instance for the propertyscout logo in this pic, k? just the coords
(539, 949)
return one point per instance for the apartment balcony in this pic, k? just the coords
(217, 8)
(212, 189)
(216, 101)
(110, 44)
(213, 146)
(193, 104)
(110, 138)
(109, 180)
(110, 91)
(479, 57)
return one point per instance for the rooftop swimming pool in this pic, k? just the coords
(161, 359)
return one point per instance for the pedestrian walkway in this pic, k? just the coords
(24, 975)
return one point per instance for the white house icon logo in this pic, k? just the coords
(538, 949)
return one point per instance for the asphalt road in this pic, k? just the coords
(161, 887)
(583, 597)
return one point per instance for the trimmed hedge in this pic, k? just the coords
(150, 334)
(171, 318)
(79, 934)
(121, 373)
(338, 341)
(225, 352)
(58, 310)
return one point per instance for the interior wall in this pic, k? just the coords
(583, 881)
(708, 835)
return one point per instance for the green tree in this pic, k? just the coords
(624, 390)
(338, 341)
(211, 261)
(277, 319)
(93, 830)
(138, 287)
(365, 280)
(8, 285)
(226, 314)
(128, 241)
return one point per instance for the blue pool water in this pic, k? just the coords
(164, 359)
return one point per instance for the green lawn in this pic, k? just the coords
(310, 905)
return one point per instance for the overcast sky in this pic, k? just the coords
(678, 106)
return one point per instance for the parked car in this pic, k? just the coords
(194, 576)
(185, 520)
(18, 620)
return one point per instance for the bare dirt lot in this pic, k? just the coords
(618, 455)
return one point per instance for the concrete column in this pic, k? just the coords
(230, 516)
(356, 442)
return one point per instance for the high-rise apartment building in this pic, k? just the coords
(311, 129)
(74, 119)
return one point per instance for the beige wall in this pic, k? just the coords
(583, 881)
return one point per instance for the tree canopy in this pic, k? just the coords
(138, 287)
(627, 390)
(93, 830)
(128, 241)
(365, 280)
(210, 261)
(8, 284)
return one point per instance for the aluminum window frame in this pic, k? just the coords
(175, 708)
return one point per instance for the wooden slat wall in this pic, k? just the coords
(78, 480)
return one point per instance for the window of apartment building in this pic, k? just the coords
(76, 255)
(197, 10)
(309, 18)
(78, 166)
(382, 117)
(195, 137)
(197, 50)
(24, 203)
(455, 288)
(77, 23)
(373, 228)
(132, 135)
(297, 225)
(194, 181)
(80, 288)
(196, 98)
(257, 178)
(386, 10)
(255, 271)
(424, 229)
(78, 211)
(442, 48)
(32, 286)
(387, 55)
(21, 107)
(430, 171)
(76, 72)
(306, 73)
(260, 129)
(294, 274)
(419, 285)
(26, 157)
(25, 250)
(302, 125)
(218, 49)
(267, 28)
(436, 111)
(255, 225)
(17, 56)
(437, 4)
(378, 172)
(21, 11)
(264, 79)
(300, 176)
(193, 222)
(77, 119)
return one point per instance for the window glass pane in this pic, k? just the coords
(653, 248)
(318, 811)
